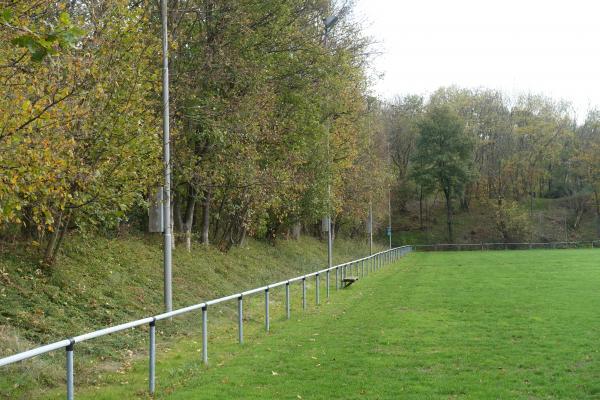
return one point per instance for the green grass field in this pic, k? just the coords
(469, 325)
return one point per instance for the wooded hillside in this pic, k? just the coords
(267, 110)
(264, 111)
(508, 157)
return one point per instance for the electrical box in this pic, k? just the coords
(325, 224)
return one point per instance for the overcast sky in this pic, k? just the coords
(550, 47)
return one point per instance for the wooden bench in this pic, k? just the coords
(349, 280)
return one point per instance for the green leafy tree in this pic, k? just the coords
(444, 156)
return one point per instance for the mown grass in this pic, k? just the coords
(472, 325)
(100, 282)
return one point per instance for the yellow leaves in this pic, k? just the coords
(26, 106)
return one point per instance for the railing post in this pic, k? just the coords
(337, 272)
(362, 268)
(152, 358)
(267, 326)
(241, 319)
(304, 293)
(287, 300)
(205, 335)
(318, 284)
(70, 382)
(327, 283)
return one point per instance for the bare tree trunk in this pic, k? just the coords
(178, 221)
(189, 217)
(49, 253)
(447, 194)
(206, 216)
(421, 208)
(296, 230)
(56, 238)
(63, 231)
(243, 237)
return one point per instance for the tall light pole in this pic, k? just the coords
(167, 161)
(390, 214)
(370, 220)
(329, 22)
(389, 232)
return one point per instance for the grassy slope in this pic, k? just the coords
(475, 325)
(100, 282)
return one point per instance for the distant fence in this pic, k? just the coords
(505, 246)
(361, 267)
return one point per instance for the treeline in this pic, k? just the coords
(266, 111)
(480, 145)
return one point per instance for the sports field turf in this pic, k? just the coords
(455, 325)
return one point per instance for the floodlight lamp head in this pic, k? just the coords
(330, 21)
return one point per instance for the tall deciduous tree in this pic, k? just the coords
(444, 155)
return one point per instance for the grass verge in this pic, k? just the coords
(100, 282)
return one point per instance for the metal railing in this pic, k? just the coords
(506, 246)
(361, 267)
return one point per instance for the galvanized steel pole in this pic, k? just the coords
(267, 326)
(287, 300)
(70, 382)
(389, 196)
(241, 319)
(304, 293)
(329, 22)
(317, 284)
(370, 227)
(204, 335)
(167, 162)
(152, 358)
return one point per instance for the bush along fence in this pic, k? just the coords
(505, 246)
(360, 268)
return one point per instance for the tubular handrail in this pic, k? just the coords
(377, 260)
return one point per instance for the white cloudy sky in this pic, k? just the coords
(541, 46)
